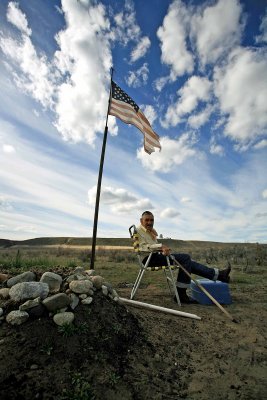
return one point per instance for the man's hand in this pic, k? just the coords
(165, 250)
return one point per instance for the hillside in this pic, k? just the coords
(83, 241)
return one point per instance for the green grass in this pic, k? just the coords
(118, 266)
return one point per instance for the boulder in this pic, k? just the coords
(64, 318)
(76, 277)
(28, 290)
(104, 290)
(4, 293)
(88, 300)
(90, 272)
(57, 301)
(80, 287)
(53, 280)
(97, 281)
(17, 317)
(3, 277)
(74, 301)
(30, 304)
(24, 277)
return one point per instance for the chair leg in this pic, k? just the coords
(172, 280)
(137, 282)
(140, 275)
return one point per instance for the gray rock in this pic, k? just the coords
(109, 286)
(76, 277)
(97, 281)
(28, 290)
(30, 304)
(3, 277)
(79, 270)
(114, 293)
(88, 300)
(53, 280)
(56, 302)
(1, 312)
(90, 272)
(74, 301)
(4, 293)
(82, 286)
(104, 290)
(17, 317)
(63, 318)
(82, 296)
(24, 277)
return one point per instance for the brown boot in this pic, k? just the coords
(224, 274)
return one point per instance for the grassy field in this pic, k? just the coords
(120, 263)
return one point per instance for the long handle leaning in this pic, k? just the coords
(205, 291)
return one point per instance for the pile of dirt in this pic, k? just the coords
(104, 355)
(116, 352)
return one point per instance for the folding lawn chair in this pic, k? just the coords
(167, 269)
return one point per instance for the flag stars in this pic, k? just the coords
(119, 94)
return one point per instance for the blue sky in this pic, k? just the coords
(197, 69)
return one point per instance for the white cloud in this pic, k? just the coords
(217, 29)
(26, 229)
(126, 28)
(195, 90)
(199, 119)
(159, 83)
(150, 113)
(264, 194)
(216, 148)
(174, 152)
(139, 77)
(79, 68)
(172, 35)
(120, 200)
(263, 29)
(7, 148)
(85, 58)
(186, 200)
(33, 74)
(169, 213)
(16, 17)
(5, 204)
(141, 49)
(241, 88)
(261, 144)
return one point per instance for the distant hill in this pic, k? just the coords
(82, 241)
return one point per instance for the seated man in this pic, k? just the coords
(148, 242)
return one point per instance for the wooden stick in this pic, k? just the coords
(158, 308)
(206, 292)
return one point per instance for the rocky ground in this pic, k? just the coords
(115, 352)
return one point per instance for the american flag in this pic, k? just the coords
(123, 107)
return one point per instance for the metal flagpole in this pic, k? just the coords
(100, 180)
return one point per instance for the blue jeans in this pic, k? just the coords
(191, 266)
(183, 280)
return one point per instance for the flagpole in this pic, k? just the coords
(100, 180)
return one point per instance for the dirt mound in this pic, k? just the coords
(123, 353)
(40, 360)
(103, 355)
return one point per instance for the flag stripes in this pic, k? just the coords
(124, 108)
